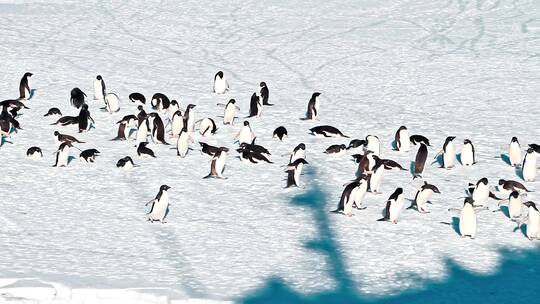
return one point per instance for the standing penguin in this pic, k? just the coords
(62, 154)
(24, 86)
(245, 135)
(373, 144)
(177, 124)
(448, 153)
(160, 205)
(420, 160)
(514, 205)
(255, 106)
(422, 197)
(142, 132)
(529, 166)
(402, 141)
(189, 117)
(515, 152)
(172, 109)
(221, 85)
(264, 93)
(182, 144)
(479, 192)
(532, 220)
(468, 156)
(376, 177)
(294, 170)
(218, 164)
(112, 103)
(121, 135)
(298, 152)
(99, 88)
(85, 120)
(280, 132)
(394, 205)
(230, 112)
(313, 107)
(467, 219)
(77, 98)
(207, 127)
(347, 199)
(158, 129)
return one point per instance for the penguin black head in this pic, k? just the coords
(28, 74)
(232, 101)
(343, 147)
(174, 102)
(191, 106)
(316, 94)
(246, 123)
(56, 133)
(203, 144)
(399, 191)
(85, 107)
(184, 129)
(140, 108)
(143, 144)
(468, 200)
(402, 128)
(450, 138)
(483, 180)
(501, 182)
(467, 141)
(433, 188)
(262, 84)
(219, 74)
(302, 161)
(530, 150)
(302, 146)
(514, 139)
(164, 188)
(514, 194)
(530, 204)
(98, 77)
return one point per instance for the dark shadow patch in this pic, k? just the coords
(505, 158)
(455, 224)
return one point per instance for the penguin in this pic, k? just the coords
(160, 205)
(24, 86)
(357, 143)
(137, 98)
(264, 93)
(158, 129)
(390, 165)
(62, 154)
(112, 103)
(532, 220)
(99, 88)
(327, 131)
(313, 107)
(402, 139)
(77, 98)
(529, 166)
(422, 197)
(535, 147)
(394, 205)
(254, 148)
(419, 139)
(144, 151)
(280, 132)
(177, 124)
(221, 85)
(210, 150)
(182, 144)
(467, 219)
(67, 120)
(85, 120)
(172, 109)
(121, 135)
(366, 164)
(13, 103)
(507, 186)
(142, 132)
(373, 144)
(255, 106)
(448, 153)
(89, 155)
(34, 153)
(160, 102)
(514, 205)
(125, 163)
(357, 158)
(230, 112)
(53, 111)
(375, 178)
(298, 152)
(245, 135)
(480, 192)
(515, 152)
(189, 117)
(348, 198)
(131, 121)
(141, 115)
(218, 164)
(252, 156)
(420, 160)
(468, 156)
(294, 170)
(207, 127)
(61, 138)
(336, 150)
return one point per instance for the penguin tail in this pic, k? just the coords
(343, 135)
(382, 219)
(335, 211)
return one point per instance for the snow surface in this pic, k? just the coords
(464, 68)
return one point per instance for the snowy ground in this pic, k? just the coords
(464, 68)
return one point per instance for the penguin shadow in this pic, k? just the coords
(455, 224)
(519, 172)
(439, 160)
(523, 229)
(4, 140)
(458, 156)
(505, 211)
(131, 131)
(70, 159)
(394, 146)
(505, 158)
(413, 164)
(32, 93)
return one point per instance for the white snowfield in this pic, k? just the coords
(79, 234)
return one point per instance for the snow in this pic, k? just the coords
(468, 69)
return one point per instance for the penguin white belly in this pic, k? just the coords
(182, 144)
(171, 110)
(35, 156)
(360, 193)
(220, 163)
(220, 85)
(514, 207)
(206, 127)
(422, 199)
(297, 173)
(533, 224)
(373, 146)
(376, 178)
(529, 167)
(299, 154)
(177, 125)
(340, 153)
(405, 143)
(467, 155)
(98, 90)
(467, 221)
(347, 208)
(127, 166)
(228, 116)
(160, 208)
(395, 209)
(449, 156)
(113, 102)
(191, 122)
(245, 135)
(63, 157)
(515, 154)
(480, 195)
(142, 134)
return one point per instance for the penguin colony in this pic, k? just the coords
(169, 123)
